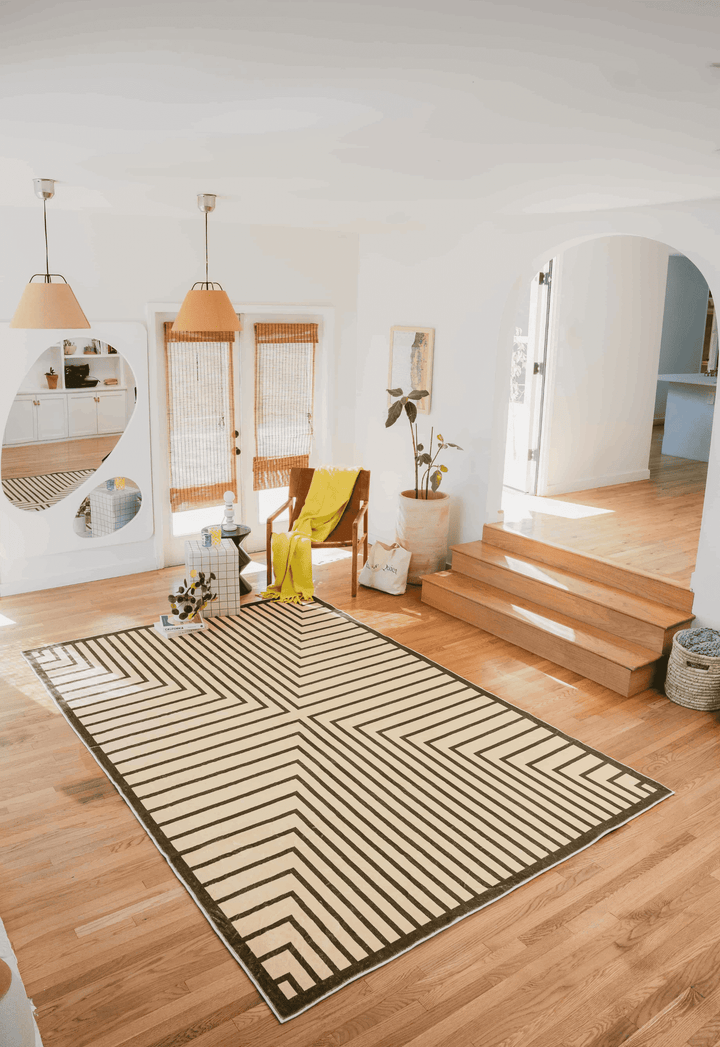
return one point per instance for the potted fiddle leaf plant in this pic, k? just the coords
(52, 378)
(424, 511)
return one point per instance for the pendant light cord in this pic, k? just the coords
(47, 261)
(207, 281)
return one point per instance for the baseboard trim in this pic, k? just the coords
(589, 483)
(75, 577)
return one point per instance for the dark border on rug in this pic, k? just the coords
(279, 1005)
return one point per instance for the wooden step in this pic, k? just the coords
(624, 667)
(641, 621)
(649, 586)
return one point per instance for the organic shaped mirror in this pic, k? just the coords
(69, 412)
(108, 507)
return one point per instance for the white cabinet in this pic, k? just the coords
(20, 426)
(91, 413)
(36, 418)
(51, 414)
(111, 412)
(82, 414)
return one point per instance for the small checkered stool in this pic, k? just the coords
(222, 561)
(112, 509)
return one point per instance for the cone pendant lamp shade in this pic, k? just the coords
(206, 306)
(49, 306)
(206, 310)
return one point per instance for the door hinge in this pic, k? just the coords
(533, 455)
(538, 368)
(545, 279)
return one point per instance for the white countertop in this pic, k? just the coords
(689, 379)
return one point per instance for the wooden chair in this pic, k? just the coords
(351, 530)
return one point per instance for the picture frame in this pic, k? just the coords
(411, 362)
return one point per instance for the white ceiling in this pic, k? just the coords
(350, 115)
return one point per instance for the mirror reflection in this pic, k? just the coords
(69, 412)
(108, 507)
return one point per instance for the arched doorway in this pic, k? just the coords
(592, 463)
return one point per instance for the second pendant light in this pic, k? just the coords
(206, 306)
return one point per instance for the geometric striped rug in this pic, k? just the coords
(329, 797)
(40, 492)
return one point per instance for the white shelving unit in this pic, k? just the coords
(40, 414)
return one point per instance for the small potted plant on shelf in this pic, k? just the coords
(52, 378)
(424, 512)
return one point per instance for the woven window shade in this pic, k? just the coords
(201, 417)
(284, 382)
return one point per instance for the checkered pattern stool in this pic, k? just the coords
(222, 560)
(111, 510)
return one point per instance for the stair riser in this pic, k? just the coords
(654, 637)
(563, 652)
(594, 568)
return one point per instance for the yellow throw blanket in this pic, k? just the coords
(327, 499)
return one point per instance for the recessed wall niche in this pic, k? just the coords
(69, 412)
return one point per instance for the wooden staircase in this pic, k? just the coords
(608, 623)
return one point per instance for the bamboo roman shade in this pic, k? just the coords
(201, 417)
(284, 382)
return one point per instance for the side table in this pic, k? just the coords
(238, 536)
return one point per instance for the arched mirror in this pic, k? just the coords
(67, 416)
(108, 507)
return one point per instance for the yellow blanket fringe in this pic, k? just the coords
(329, 494)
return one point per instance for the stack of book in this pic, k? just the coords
(169, 625)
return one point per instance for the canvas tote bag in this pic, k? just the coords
(386, 568)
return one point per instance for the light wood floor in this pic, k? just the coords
(34, 459)
(618, 945)
(653, 525)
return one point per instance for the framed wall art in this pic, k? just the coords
(411, 362)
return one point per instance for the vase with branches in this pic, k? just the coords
(426, 459)
(188, 601)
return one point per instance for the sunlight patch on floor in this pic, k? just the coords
(6, 621)
(518, 506)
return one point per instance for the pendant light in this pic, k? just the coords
(47, 304)
(206, 306)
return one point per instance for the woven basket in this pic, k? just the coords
(693, 680)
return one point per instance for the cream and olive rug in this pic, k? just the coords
(40, 492)
(329, 797)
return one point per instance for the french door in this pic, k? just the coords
(252, 507)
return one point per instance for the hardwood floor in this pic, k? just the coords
(653, 525)
(617, 945)
(63, 455)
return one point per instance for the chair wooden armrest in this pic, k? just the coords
(268, 537)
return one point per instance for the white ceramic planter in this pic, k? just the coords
(422, 529)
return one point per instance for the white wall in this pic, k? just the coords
(117, 265)
(603, 363)
(683, 332)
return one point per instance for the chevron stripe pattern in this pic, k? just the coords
(329, 797)
(40, 492)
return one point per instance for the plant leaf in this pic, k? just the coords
(395, 392)
(440, 439)
(417, 394)
(394, 413)
(410, 410)
(435, 479)
(443, 468)
(420, 447)
(424, 459)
